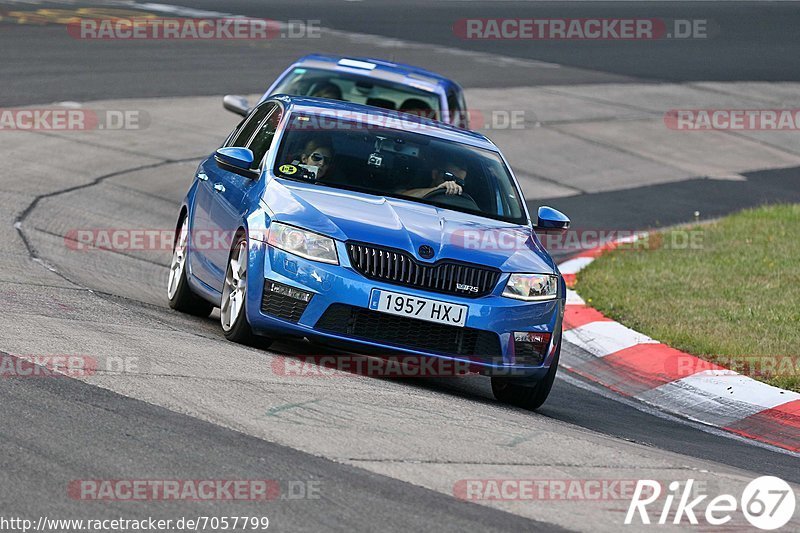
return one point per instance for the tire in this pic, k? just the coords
(180, 295)
(233, 308)
(505, 390)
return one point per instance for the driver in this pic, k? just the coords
(328, 90)
(317, 153)
(450, 177)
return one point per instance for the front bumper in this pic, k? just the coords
(336, 287)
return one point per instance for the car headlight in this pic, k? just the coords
(532, 287)
(304, 243)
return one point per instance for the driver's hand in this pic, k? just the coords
(451, 187)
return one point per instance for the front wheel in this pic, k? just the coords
(507, 391)
(233, 306)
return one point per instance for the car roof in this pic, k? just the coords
(378, 68)
(378, 116)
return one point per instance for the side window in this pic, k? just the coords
(464, 122)
(264, 135)
(456, 106)
(250, 125)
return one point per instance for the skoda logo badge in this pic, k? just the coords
(425, 251)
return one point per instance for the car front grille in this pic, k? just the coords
(410, 333)
(400, 268)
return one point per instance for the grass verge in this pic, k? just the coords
(728, 291)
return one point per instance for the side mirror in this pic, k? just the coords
(551, 219)
(236, 104)
(237, 160)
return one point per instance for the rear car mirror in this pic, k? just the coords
(551, 219)
(237, 160)
(236, 104)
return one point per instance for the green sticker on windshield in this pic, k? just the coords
(287, 169)
(299, 71)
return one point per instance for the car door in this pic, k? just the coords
(200, 216)
(205, 230)
(234, 194)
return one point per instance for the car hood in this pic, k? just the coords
(395, 223)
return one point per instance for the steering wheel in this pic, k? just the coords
(463, 200)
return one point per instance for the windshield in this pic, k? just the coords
(361, 90)
(385, 161)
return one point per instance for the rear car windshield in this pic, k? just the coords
(360, 89)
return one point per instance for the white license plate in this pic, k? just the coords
(415, 307)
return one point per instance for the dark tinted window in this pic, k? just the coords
(250, 125)
(263, 137)
(455, 102)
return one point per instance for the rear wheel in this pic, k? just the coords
(528, 397)
(233, 306)
(180, 295)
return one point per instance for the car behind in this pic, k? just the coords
(375, 82)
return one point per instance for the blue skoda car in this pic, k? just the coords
(369, 81)
(382, 232)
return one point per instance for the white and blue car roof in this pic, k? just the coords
(376, 68)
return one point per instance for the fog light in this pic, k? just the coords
(530, 347)
(291, 292)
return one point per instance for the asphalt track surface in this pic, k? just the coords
(56, 430)
(753, 41)
(740, 46)
(77, 428)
